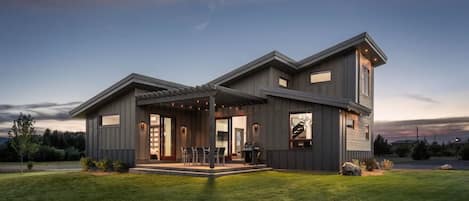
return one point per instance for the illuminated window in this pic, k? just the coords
(110, 120)
(365, 79)
(318, 77)
(301, 130)
(282, 82)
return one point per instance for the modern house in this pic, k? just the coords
(312, 114)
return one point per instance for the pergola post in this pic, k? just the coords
(211, 130)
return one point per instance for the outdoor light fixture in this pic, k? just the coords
(375, 59)
(172, 104)
(182, 105)
(366, 50)
(142, 125)
(206, 103)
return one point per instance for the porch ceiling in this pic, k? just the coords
(196, 98)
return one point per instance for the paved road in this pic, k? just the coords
(433, 163)
(46, 166)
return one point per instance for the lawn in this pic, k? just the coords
(396, 185)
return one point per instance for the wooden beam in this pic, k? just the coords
(211, 130)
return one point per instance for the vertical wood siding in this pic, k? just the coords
(343, 72)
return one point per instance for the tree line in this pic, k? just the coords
(421, 149)
(25, 144)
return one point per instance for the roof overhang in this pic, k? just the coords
(361, 42)
(307, 97)
(195, 98)
(132, 80)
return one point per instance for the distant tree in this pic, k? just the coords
(46, 137)
(435, 149)
(21, 137)
(420, 151)
(381, 146)
(402, 150)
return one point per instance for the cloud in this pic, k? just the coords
(202, 26)
(441, 129)
(421, 98)
(40, 111)
(46, 115)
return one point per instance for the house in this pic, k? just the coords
(311, 114)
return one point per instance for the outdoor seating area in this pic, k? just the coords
(200, 155)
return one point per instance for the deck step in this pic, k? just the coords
(190, 172)
(188, 168)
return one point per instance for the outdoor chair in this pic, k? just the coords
(220, 153)
(195, 155)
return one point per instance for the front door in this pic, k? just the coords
(162, 138)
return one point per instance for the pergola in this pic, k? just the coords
(201, 98)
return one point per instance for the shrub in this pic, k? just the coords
(104, 165)
(119, 166)
(46, 153)
(371, 164)
(387, 164)
(72, 154)
(86, 163)
(435, 149)
(402, 151)
(464, 152)
(30, 165)
(420, 151)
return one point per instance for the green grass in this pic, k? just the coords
(396, 185)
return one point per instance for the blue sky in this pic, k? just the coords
(66, 51)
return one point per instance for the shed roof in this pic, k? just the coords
(361, 41)
(133, 79)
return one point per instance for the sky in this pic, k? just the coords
(56, 54)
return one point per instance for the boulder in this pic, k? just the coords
(446, 167)
(350, 169)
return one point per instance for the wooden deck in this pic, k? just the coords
(197, 170)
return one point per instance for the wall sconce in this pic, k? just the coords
(255, 129)
(142, 125)
(183, 130)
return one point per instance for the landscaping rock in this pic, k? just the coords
(446, 167)
(350, 169)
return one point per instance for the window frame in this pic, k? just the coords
(109, 125)
(347, 121)
(320, 72)
(290, 140)
(286, 82)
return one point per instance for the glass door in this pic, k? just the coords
(222, 127)
(154, 137)
(168, 139)
(162, 138)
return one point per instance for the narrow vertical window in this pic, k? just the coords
(365, 79)
(367, 132)
(283, 82)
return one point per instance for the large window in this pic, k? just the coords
(365, 78)
(282, 82)
(110, 120)
(318, 77)
(301, 130)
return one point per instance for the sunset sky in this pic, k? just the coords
(55, 54)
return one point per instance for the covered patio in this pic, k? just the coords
(195, 110)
